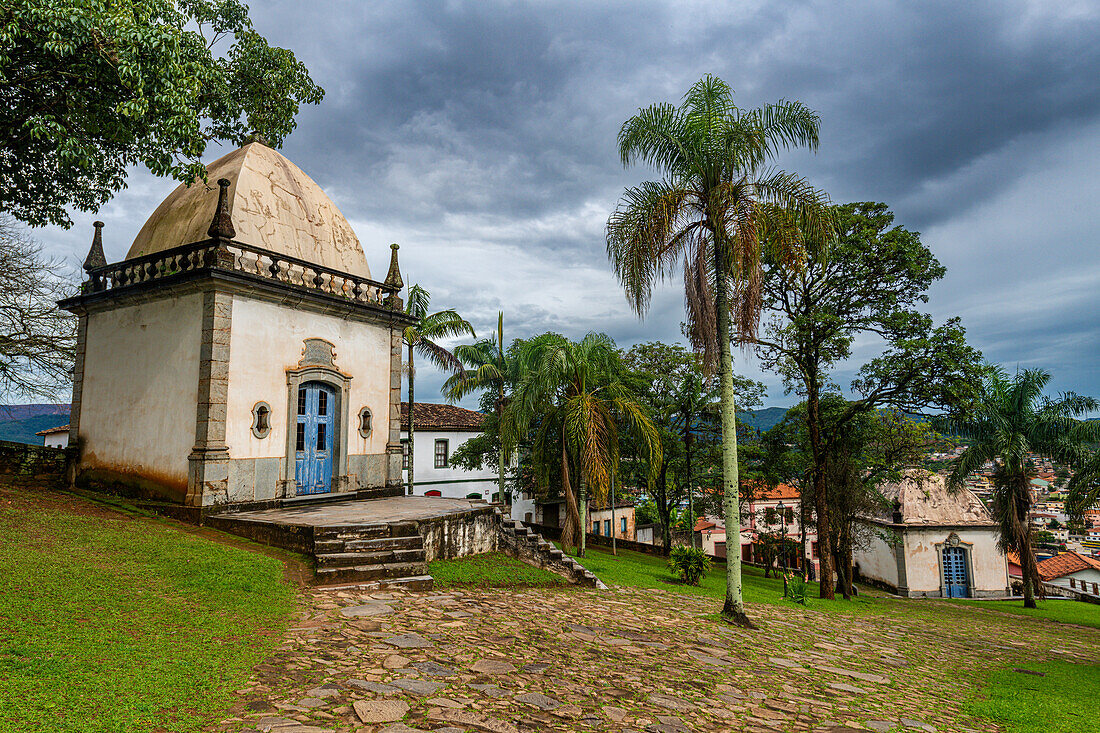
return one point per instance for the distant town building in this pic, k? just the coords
(440, 431)
(933, 542)
(55, 437)
(1072, 571)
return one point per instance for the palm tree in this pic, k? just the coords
(1010, 422)
(487, 367)
(572, 395)
(715, 206)
(420, 339)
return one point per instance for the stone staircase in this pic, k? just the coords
(529, 546)
(379, 554)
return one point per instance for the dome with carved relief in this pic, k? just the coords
(274, 205)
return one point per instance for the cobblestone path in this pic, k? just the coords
(631, 660)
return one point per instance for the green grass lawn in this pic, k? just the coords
(1062, 611)
(1060, 702)
(651, 571)
(118, 623)
(493, 570)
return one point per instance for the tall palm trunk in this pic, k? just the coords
(583, 490)
(500, 455)
(734, 607)
(572, 516)
(1020, 496)
(412, 423)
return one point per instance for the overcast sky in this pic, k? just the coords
(481, 137)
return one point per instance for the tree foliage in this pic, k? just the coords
(573, 398)
(1011, 421)
(868, 284)
(36, 338)
(89, 89)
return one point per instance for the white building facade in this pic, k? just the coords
(241, 353)
(440, 431)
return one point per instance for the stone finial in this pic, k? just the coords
(222, 225)
(393, 277)
(95, 258)
(257, 137)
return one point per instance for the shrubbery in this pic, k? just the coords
(689, 563)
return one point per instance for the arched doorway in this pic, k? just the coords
(314, 438)
(956, 580)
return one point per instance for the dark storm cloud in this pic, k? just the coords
(481, 136)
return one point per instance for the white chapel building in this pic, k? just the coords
(241, 353)
(932, 542)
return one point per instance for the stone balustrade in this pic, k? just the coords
(232, 256)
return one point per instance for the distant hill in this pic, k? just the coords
(19, 423)
(763, 420)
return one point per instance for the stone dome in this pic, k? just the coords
(923, 498)
(274, 205)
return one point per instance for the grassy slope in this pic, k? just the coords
(1062, 701)
(1021, 703)
(1062, 611)
(113, 623)
(493, 570)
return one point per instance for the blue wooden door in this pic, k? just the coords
(314, 437)
(954, 573)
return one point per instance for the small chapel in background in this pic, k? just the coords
(241, 352)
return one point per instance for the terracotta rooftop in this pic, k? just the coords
(702, 523)
(762, 492)
(1064, 564)
(430, 416)
(53, 431)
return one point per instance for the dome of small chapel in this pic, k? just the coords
(274, 205)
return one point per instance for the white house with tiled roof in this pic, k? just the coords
(55, 437)
(1073, 571)
(440, 431)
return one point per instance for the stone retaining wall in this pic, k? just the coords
(33, 464)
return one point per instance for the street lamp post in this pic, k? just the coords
(783, 537)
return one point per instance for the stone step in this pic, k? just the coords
(382, 492)
(376, 557)
(376, 572)
(410, 582)
(356, 532)
(413, 542)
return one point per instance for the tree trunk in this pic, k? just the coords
(583, 486)
(734, 607)
(687, 476)
(614, 527)
(500, 456)
(572, 518)
(821, 504)
(1021, 499)
(412, 424)
(664, 511)
(802, 511)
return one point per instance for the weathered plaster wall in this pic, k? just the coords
(267, 340)
(922, 567)
(141, 373)
(877, 560)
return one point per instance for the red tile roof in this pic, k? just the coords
(1065, 564)
(703, 523)
(52, 431)
(761, 492)
(430, 416)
